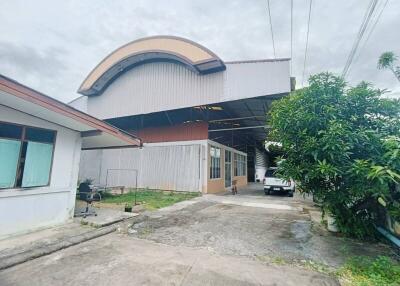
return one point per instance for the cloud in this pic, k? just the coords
(53, 45)
(21, 57)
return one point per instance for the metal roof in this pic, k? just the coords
(95, 132)
(151, 49)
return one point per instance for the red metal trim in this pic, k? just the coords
(178, 132)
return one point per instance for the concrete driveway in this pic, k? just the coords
(212, 240)
(121, 260)
(265, 228)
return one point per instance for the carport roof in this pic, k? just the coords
(95, 132)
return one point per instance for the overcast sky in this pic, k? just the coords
(52, 45)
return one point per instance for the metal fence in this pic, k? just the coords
(121, 178)
(172, 167)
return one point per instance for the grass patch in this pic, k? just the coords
(366, 271)
(272, 259)
(307, 264)
(316, 266)
(357, 271)
(150, 199)
(84, 222)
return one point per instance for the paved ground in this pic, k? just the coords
(104, 216)
(212, 240)
(121, 260)
(257, 226)
(69, 231)
(21, 243)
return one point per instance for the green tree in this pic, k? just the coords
(342, 145)
(387, 61)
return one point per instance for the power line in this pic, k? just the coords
(371, 30)
(364, 25)
(272, 31)
(359, 36)
(291, 37)
(376, 22)
(305, 53)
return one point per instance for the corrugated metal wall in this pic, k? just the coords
(261, 158)
(246, 80)
(165, 86)
(154, 87)
(80, 103)
(173, 167)
(261, 164)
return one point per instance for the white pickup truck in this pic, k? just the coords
(272, 183)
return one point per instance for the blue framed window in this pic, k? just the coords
(26, 155)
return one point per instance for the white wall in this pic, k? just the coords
(178, 166)
(23, 210)
(80, 103)
(165, 86)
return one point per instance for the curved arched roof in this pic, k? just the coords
(151, 49)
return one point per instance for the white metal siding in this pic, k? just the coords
(176, 167)
(165, 86)
(261, 165)
(246, 80)
(154, 87)
(261, 158)
(80, 103)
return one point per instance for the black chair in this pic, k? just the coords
(88, 195)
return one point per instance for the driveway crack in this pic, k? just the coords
(188, 271)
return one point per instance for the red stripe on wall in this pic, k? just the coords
(181, 132)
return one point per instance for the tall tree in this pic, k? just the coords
(387, 61)
(342, 145)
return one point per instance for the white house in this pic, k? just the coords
(40, 147)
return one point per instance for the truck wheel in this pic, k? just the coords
(290, 194)
(267, 193)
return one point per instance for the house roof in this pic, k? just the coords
(158, 48)
(95, 132)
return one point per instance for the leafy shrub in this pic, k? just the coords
(364, 271)
(342, 145)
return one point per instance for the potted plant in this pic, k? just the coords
(330, 220)
(392, 216)
(128, 208)
(394, 212)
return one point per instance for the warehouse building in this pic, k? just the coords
(202, 120)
